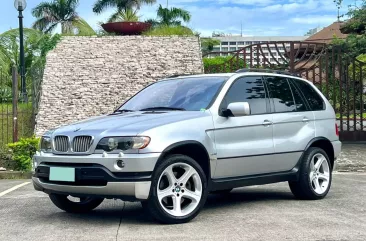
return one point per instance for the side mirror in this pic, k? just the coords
(239, 109)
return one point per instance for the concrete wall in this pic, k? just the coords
(89, 76)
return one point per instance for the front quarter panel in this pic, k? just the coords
(195, 130)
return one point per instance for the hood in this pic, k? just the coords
(131, 123)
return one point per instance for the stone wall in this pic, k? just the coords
(90, 76)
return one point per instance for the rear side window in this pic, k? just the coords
(314, 100)
(299, 100)
(281, 94)
(248, 89)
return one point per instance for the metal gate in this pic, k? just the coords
(340, 77)
(17, 117)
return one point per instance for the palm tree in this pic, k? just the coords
(51, 14)
(126, 9)
(170, 17)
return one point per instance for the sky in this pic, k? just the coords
(257, 17)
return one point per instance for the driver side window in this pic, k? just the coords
(248, 89)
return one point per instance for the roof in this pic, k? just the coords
(262, 38)
(327, 34)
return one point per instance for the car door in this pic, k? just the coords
(293, 122)
(244, 144)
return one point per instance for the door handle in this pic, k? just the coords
(305, 119)
(267, 123)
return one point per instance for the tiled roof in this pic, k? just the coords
(327, 34)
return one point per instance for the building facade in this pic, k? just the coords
(234, 43)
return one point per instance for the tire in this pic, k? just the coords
(84, 205)
(222, 192)
(191, 190)
(314, 180)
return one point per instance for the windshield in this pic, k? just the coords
(191, 94)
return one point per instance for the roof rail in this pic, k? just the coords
(177, 75)
(272, 71)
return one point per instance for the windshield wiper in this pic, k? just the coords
(162, 108)
(122, 111)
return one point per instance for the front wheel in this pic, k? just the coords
(75, 205)
(315, 176)
(178, 190)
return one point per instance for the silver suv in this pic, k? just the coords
(182, 138)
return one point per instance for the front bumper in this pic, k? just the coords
(98, 175)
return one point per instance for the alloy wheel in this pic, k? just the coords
(319, 173)
(179, 189)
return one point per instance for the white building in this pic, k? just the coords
(233, 43)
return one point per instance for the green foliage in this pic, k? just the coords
(222, 64)
(126, 15)
(207, 44)
(357, 18)
(171, 17)
(36, 47)
(51, 14)
(126, 10)
(23, 151)
(169, 30)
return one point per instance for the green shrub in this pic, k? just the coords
(221, 64)
(23, 151)
(169, 30)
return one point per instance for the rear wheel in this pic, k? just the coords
(315, 176)
(74, 204)
(178, 190)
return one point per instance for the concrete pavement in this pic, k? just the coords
(253, 213)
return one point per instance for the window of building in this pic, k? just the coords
(232, 48)
(280, 94)
(232, 43)
(240, 43)
(216, 49)
(224, 43)
(249, 43)
(224, 48)
(314, 100)
(248, 89)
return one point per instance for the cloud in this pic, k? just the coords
(314, 19)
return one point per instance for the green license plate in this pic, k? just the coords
(62, 174)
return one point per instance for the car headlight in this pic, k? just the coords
(123, 143)
(46, 144)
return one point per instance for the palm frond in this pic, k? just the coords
(82, 27)
(101, 5)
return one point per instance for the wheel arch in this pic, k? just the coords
(193, 149)
(326, 145)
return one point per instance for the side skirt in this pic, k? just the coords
(234, 182)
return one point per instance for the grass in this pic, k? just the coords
(25, 123)
(169, 30)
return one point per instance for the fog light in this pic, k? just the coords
(120, 164)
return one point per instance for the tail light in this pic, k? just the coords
(336, 129)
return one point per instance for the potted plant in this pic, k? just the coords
(125, 20)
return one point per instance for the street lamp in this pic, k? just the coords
(20, 5)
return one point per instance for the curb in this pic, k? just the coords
(15, 175)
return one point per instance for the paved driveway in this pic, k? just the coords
(253, 213)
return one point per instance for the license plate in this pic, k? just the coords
(62, 174)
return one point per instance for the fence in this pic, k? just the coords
(340, 77)
(17, 115)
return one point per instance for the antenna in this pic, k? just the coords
(241, 27)
(167, 3)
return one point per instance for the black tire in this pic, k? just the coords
(152, 205)
(303, 189)
(222, 192)
(85, 205)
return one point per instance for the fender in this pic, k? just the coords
(319, 138)
(183, 143)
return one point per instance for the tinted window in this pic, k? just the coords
(315, 101)
(281, 95)
(299, 101)
(248, 89)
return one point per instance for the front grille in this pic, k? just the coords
(61, 143)
(82, 143)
